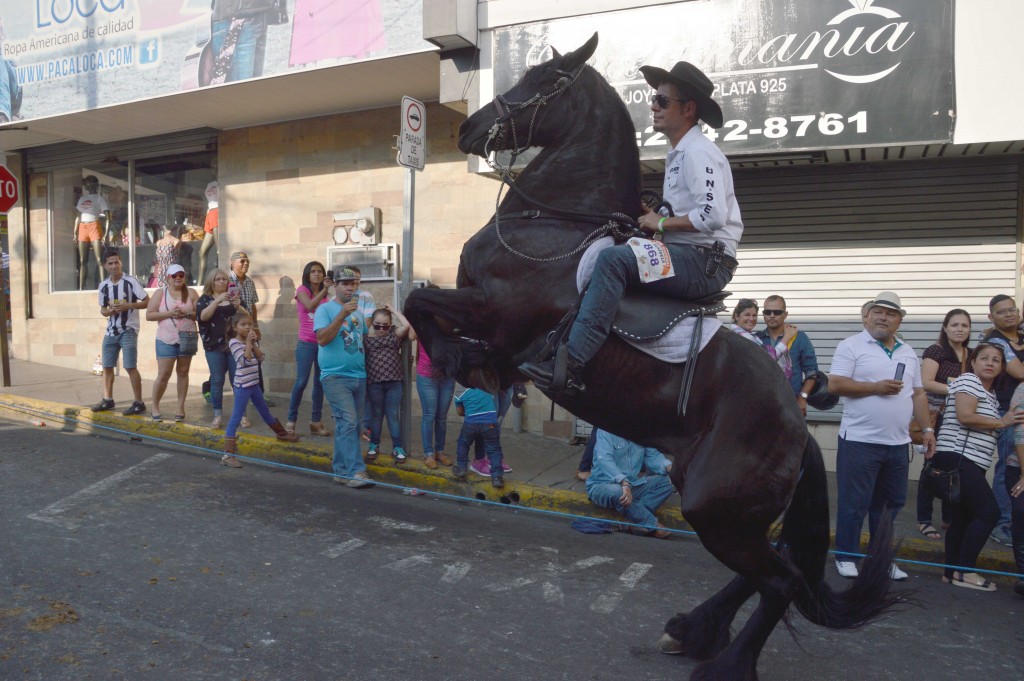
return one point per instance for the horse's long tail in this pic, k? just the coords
(805, 539)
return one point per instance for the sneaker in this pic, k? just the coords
(269, 400)
(1000, 535)
(895, 574)
(497, 482)
(104, 405)
(399, 455)
(459, 472)
(290, 426)
(481, 467)
(136, 408)
(246, 423)
(505, 468)
(848, 569)
(371, 453)
(359, 481)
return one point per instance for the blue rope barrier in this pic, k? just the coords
(453, 497)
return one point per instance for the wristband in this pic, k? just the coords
(927, 430)
(661, 225)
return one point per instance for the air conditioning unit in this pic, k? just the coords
(375, 263)
(360, 228)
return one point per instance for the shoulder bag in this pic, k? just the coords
(188, 341)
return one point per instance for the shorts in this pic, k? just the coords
(89, 231)
(167, 351)
(128, 341)
(212, 220)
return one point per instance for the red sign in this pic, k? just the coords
(8, 190)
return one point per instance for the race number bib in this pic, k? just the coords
(652, 259)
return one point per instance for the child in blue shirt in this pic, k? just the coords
(480, 411)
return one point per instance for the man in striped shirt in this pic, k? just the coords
(121, 296)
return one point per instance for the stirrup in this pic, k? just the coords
(562, 375)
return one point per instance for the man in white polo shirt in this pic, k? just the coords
(879, 378)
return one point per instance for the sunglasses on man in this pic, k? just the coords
(663, 100)
(773, 313)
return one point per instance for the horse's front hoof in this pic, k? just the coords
(670, 646)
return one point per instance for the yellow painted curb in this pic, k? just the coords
(317, 456)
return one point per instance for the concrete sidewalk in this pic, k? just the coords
(543, 474)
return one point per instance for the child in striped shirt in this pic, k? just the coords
(246, 350)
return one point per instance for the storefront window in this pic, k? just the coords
(171, 199)
(89, 213)
(153, 211)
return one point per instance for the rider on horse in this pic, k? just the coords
(700, 232)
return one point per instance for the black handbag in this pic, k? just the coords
(945, 485)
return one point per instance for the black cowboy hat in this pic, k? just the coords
(692, 83)
(820, 398)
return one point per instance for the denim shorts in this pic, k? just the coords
(166, 350)
(128, 341)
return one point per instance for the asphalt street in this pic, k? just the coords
(122, 560)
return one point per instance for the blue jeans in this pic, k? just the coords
(128, 343)
(871, 479)
(220, 362)
(587, 461)
(647, 498)
(1004, 447)
(9, 88)
(247, 61)
(615, 271)
(385, 400)
(435, 399)
(242, 398)
(490, 433)
(504, 403)
(345, 396)
(305, 362)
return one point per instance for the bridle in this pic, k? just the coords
(618, 224)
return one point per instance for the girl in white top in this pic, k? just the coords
(967, 443)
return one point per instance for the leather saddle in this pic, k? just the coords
(644, 316)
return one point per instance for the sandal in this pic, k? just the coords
(929, 531)
(178, 418)
(983, 585)
(157, 417)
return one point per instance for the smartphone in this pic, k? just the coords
(900, 368)
(232, 289)
(330, 274)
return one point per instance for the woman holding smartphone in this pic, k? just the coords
(218, 304)
(316, 289)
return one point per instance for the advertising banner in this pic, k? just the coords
(790, 75)
(61, 56)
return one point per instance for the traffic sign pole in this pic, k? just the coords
(412, 155)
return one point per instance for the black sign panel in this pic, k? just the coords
(790, 75)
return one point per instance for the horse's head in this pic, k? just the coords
(525, 116)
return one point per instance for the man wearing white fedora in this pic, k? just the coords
(879, 378)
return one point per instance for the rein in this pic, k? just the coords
(619, 225)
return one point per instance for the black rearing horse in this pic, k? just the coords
(742, 452)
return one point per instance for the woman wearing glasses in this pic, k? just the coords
(173, 307)
(384, 377)
(967, 443)
(316, 289)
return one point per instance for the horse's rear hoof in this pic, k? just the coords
(670, 646)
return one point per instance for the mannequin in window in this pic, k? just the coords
(212, 220)
(91, 209)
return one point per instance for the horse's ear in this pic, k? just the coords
(555, 54)
(581, 55)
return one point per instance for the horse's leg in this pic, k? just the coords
(775, 578)
(704, 632)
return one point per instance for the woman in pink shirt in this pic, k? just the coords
(316, 289)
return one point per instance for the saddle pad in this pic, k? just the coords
(672, 347)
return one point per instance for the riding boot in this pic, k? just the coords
(282, 434)
(229, 459)
(563, 374)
